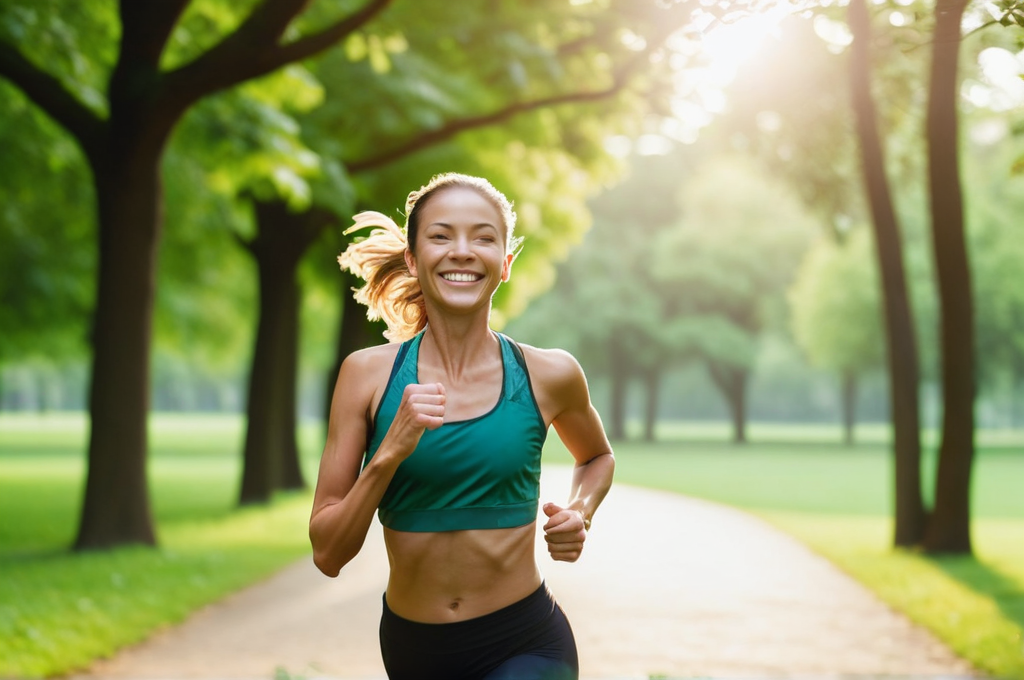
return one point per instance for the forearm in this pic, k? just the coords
(337, 529)
(590, 484)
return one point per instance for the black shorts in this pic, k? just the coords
(527, 640)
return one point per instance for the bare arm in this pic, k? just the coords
(564, 395)
(345, 500)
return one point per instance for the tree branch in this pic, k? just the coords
(245, 54)
(454, 127)
(317, 42)
(146, 28)
(50, 95)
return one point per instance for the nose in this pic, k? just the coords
(460, 249)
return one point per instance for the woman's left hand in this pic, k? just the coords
(564, 532)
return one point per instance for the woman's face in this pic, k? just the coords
(460, 256)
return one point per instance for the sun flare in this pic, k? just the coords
(709, 64)
(726, 45)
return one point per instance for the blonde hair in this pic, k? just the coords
(391, 293)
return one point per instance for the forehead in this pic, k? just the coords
(460, 206)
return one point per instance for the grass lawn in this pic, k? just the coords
(59, 610)
(837, 500)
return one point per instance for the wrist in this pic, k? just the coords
(586, 520)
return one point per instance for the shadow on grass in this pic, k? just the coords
(1006, 592)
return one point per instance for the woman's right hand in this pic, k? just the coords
(422, 408)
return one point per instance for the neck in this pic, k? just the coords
(457, 346)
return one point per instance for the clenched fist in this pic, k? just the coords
(564, 532)
(422, 408)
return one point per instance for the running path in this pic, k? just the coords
(668, 586)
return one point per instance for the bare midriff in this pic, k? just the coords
(444, 577)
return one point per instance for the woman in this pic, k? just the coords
(442, 435)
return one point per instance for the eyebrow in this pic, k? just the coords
(481, 225)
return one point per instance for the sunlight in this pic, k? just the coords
(729, 44)
(709, 63)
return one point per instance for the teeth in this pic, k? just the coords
(459, 276)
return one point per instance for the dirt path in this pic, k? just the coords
(668, 586)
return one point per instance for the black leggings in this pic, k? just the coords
(527, 640)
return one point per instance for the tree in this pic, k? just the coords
(901, 340)
(949, 526)
(835, 314)
(123, 134)
(726, 264)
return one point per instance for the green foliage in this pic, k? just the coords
(48, 254)
(76, 42)
(730, 256)
(834, 305)
(442, 66)
(997, 257)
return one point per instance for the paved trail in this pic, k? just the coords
(667, 586)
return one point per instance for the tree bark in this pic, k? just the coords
(732, 382)
(291, 478)
(652, 381)
(270, 458)
(949, 527)
(115, 509)
(849, 406)
(901, 341)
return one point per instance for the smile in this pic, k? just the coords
(461, 277)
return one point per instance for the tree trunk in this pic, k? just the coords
(115, 508)
(619, 370)
(732, 382)
(291, 478)
(652, 381)
(849, 406)
(949, 527)
(355, 332)
(901, 340)
(270, 458)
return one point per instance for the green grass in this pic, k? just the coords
(59, 610)
(837, 500)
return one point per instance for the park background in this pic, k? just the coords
(781, 238)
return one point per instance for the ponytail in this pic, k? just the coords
(390, 293)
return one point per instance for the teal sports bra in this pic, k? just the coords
(481, 473)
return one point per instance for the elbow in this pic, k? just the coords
(330, 559)
(328, 566)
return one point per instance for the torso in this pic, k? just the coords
(448, 576)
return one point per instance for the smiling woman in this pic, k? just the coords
(441, 433)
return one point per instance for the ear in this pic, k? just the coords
(506, 267)
(410, 262)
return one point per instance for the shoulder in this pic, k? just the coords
(364, 373)
(371, 359)
(551, 366)
(557, 377)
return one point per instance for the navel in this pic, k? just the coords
(454, 606)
